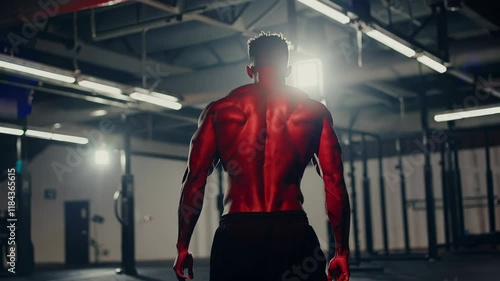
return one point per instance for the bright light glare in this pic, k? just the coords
(37, 72)
(326, 10)
(102, 157)
(156, 100)
(432, 64)
(391, 43)
(443, 117)
(308, 73)
(100, 87)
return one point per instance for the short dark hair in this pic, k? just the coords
(268, 49)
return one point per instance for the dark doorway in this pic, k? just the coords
(76, 220)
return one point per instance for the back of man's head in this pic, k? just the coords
(268, 49)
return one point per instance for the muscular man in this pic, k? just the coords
(265, 134)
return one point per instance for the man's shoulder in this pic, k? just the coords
(306, 101)
(227, 100)
(247, 88)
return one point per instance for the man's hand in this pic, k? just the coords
(184, 260)
(339, 268)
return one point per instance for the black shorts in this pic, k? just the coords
(266, 247)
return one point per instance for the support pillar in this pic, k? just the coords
(128, 265)
(429, 191)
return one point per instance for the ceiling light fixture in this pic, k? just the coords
(391, 43)
(156, 100)
(98, 113)
(56, 137)
(100, 87)
(439, 67)
(39, 134)
(71, 139)
(35, 70)
(463, 114)
(11, 131)
(164, 96)
(326, 10)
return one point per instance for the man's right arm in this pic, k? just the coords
(337, 199)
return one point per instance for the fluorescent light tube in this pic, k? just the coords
(11, 131)
(39, 134)
(432, 64)
(450, 116)
(98, 113)
(156, 100)
(326, 10)
(56, 137)
(37, 72)
(164, 96)
(155, 94)
(391, 43)
(100, 87)
(67, 138)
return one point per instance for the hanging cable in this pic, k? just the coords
(75, 43)
(410, 13)
(402, 107)
(143, 58)
(359, 35)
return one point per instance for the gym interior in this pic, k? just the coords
(99, 101)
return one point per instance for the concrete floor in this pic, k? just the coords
(451, 267)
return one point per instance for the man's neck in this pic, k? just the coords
(269, 76)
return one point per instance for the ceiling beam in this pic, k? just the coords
(237, 26)
(131, 29)
(109, 59)
(386, 66)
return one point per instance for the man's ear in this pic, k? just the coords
(250, 71)
(288, 71)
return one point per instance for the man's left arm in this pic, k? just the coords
(201, 162)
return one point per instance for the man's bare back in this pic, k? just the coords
(266, 136)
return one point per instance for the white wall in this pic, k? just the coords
(157, 190)
(86, 182)
(472, 165)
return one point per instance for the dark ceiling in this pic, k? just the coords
(196, 50)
